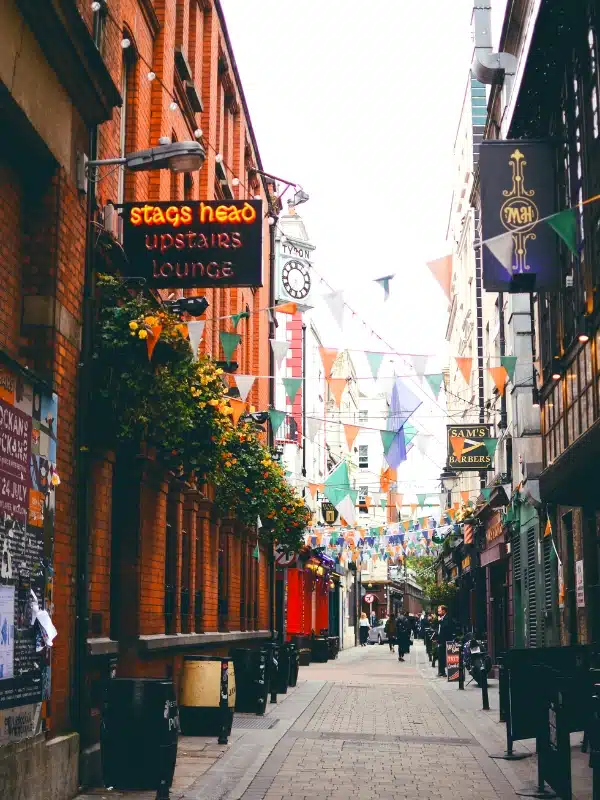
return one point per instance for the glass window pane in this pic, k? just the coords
(570, 428)
(570, 376)
(583, 404)
(550, 447)
(560, 437)
(558, 400)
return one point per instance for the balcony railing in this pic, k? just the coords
(288, 430)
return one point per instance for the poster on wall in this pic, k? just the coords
(28, 477)
(579, 590)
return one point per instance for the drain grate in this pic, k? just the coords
(252, 721)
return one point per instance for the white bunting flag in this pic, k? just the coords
(346, 509)
(313, 428)
(244, 383)
(279, 351)
(501, 247)
(419, 364)
(335, 303)
(195, 332)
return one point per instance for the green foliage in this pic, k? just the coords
(424, 567)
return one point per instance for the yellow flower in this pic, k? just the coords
(133, 325)
(202, 405)
(228, 463)
(151, 320)
(218, 371)
(143, 334)
(132, 333)
(214, 402)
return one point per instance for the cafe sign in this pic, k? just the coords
(194, 244)
(474, 455)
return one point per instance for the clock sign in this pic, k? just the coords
(296, 279)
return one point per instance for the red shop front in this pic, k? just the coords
(307, 601)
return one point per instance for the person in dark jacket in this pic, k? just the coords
(402, 635)
(444, 634)
(390, 632)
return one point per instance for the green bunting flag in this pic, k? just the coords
(565, 225)
(486, 494)
(276, 418)
(409, 432)
(509, 363)
(291, 386)
(435, 382)
(490, 446)
(337, 484)
(333, 540)
(374, 360)
(383, 502)
(229, 341)
(387, 439)
(421, 499)
(256, 552)
(237, 317)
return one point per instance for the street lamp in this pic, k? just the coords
(176, 156)
(448, 479)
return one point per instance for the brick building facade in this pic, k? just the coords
(164, 576)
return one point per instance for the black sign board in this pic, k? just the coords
(518, 190)
(186, 244)
(452, 660)
(330, 513)
(473, 452)
(553, 738)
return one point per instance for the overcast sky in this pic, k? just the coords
(359, 103)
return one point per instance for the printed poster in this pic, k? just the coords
(7, 631)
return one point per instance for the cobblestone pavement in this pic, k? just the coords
(363, 727)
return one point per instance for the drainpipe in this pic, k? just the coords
(303, 400)
(270, 437)
(489, 67)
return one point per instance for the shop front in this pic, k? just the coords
(494, 559)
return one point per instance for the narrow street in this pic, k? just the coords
(364, 726)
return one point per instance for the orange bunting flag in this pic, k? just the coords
(464, 496)
(398, 501)
(548, 528)
(499, 376)
(456, 506)
(464, 363)
(413, 507)
(328, 357)
(286, 308)
(368, 501)
(152, 339)
(458, 445)
(313, 488)
(343, 522)
(337, 386)
(441, 269)
(406, 524)
(451, 513)
(385, 480)
(351, 432)
(238, 407)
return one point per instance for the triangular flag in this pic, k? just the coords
(548, 528)
(256, 552)
(337, 386)
(387, 439)
(509, 363)
(345, 508)
(458, 445)
(313, 428)
(244, 383)
(353, 496)
(238, 407)
(291, 386)
(419, 364)
(235, 318)
(258, 523)
(195, 332)
(335, 303)
(229, 341)
(351, 432)
(337, 483)
(486, 494)
(409, 432)
(464, 496)
(490, 446)
(328, 357)
(152, 339)
(385, 479)
(499, 376)
(507, 489)
(276, 418)
(313, 488)
(464, 364)
(441, 270)
(286, 308)
(279, 351)
(435, 382)
(368, 501)
(383, 502)
(385, 285)
(421, 499)
(501, 247)
(565, 225)
(374, 360)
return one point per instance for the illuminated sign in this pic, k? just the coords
(518, 189)
(474, 454)
(185, 244)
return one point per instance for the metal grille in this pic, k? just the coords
(531, 593)
(516, 556)
(251, 721)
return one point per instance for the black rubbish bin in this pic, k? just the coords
(207, 696)
(139, 732)
(272, 649)
(294, 663)
(252, 685)
(334, 646)
(320, 649)
(304, 649)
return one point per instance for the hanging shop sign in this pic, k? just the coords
(494, 528)
(474, 454)
(194, 244)
(518, 190)
(452, 660)
(466, 564)
(330, 513)
(579, 585)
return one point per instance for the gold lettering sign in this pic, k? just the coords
(519, 213)
(466, 563)
(494, 528)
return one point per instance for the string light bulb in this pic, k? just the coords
(125, 43)
(219, 158)
(257, 197)
(164, 140)
(151, 76)
(173, 106)
(96, 6)
(198, 133)
(235, 182)
(271, 220)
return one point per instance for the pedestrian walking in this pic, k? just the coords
(390, 632)
(373, 619)
(422, 625)
(402, 635)
(363, 629)
(444, 634)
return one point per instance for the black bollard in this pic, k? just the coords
(502, 680)
(484, 690)
(162, 792)
(461, 668)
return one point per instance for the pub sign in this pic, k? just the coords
(517, 191)
(474, 455)
(187, 244)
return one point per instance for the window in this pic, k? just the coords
(126, 122)
(363, 491)
(363, 456)
(363, 415)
